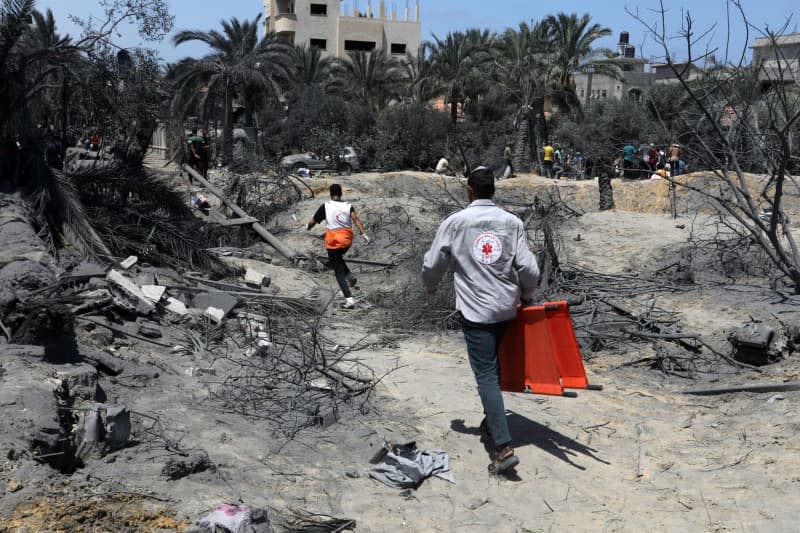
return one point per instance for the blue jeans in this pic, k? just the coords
(483, 341)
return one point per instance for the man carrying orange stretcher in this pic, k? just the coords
(494, 271)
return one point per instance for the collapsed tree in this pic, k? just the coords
(741, 117)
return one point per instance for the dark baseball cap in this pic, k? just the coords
(481, 180)
(480, 177)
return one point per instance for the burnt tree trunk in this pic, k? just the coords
(606, 192)
(522, 154)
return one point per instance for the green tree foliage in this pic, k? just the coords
(372, 77)
(239, 61)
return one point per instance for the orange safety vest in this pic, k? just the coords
(340, 225)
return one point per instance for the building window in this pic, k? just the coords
(604, 93)
(322, 44)
(319, 10)
(359, 46)
(582, 92)
(398, 49)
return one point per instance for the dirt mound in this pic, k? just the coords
(120, 513)
(645, 196)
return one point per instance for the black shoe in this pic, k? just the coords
(484, 428)
(503, 461)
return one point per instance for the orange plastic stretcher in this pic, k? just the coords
(540, 354)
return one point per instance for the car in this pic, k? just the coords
(346, 162)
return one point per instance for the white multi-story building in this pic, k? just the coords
(779, 61)
(333, 27)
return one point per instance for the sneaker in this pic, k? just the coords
(351, 279)
(349, 303)
(503, 461)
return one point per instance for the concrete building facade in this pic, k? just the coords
(335, 29)
(777, 60)
(635, 82)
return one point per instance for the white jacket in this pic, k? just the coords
(494, 268)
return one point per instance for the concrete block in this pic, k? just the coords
(176, 306)
(128, 294)
(129, 262)
(253, 276)
(214, 314)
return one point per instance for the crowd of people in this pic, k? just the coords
(648, 162)
(644, 162)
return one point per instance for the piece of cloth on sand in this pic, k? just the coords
(233, 518)
(405, 467)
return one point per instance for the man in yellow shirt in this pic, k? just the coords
(548, 160)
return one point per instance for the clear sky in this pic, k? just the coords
(441, 16)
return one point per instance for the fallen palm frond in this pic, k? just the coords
(138, 214)
(57, 202)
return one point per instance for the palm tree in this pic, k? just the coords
(315, 71)
(372, 76)
(536, 66)
(573, 38)
(456, 59)
(524, 71)
(238, 64)
(421, 85)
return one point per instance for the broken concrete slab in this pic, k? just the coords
(89, 434)
(145, 278)
(127, 294)
(257, 278)
(153, 292)
(104, 362)
(102, 429)
(176, 306)
(215, 305)
(29, 399)
(128, 262)
(214, 314)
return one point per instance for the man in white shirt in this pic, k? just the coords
(339, 217)
(495, 270)
(443, 166)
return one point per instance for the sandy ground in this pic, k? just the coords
(722, 463)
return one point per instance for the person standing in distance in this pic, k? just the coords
(509, 163)
(548, 153)
(339, 217)
(494, 271)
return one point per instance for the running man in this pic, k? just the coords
(339, 217)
